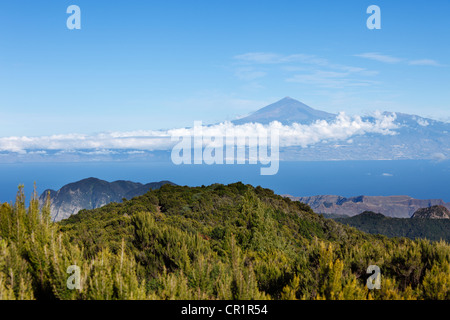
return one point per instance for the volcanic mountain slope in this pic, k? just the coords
(286, 111)
(409, 137)
(414, 137)
(93, 193)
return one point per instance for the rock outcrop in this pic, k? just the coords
(434, 212)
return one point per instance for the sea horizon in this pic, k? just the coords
(419, 179)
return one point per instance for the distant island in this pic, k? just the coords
(92, 193)
(391, 206)
(388, 135)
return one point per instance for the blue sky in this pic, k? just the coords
(163, 64)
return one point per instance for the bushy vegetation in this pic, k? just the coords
(215, 242)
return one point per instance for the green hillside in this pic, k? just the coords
(375, 223)
(215, 242)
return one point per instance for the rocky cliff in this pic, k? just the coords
(93, 193)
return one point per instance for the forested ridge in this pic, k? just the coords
(215, 242)
(375, 223)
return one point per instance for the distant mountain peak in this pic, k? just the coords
(286, 111)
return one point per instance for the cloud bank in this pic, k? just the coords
(342, 128)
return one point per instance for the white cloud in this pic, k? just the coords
(438, 156)
(387, 175)
(425, 62)
(302, 68)
(274, 58)
(249, 74)
(422, 122)
(294, 61)
(145, 140)
(343, 128)
(379, 57)
(330, 79)
(259, 57)
(390, 59)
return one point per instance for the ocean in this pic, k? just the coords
(420, 179)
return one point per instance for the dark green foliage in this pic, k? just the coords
(215, 242)
(375, 223)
